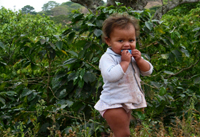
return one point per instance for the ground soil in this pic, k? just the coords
(153, 3)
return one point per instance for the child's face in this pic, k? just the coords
(122, 39)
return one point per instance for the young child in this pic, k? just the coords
(121, 66)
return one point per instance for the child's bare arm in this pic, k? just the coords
(142, 64)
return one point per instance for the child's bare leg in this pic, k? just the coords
(118, 120)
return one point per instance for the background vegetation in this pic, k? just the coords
(50, 81)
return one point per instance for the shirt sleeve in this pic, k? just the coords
(110, 69)
(146, 73)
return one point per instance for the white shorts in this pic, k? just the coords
(123, 106)
(102, 107)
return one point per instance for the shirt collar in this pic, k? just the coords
(110, 51)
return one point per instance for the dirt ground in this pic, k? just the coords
(153, 3)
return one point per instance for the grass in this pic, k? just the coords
(187, 125)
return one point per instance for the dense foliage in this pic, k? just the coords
(50, 79)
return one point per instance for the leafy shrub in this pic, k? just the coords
(50, 80)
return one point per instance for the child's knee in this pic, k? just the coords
(123, 133)
(127, 133)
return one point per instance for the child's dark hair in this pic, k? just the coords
(121, 21)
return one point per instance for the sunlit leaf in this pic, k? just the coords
(187, 54)
(73, 53)
(70, 61)
(26, 92)
(118, 3)
(196, 29)
(2, 100)
(197, 80)
(64, 103)
(64, 52)
(165, 56)
(168, 72)
(42, 41)
(98, 32)
(2, 45)
(90, 24)
(149, 25)
(156, 84)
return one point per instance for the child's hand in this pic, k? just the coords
(126, 56)
(136, 54)
(125, 59)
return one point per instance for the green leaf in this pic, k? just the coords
(11, 93)
(52, 54)
(26, 92)
(2, 100)
(82, 72)
(197, 34)
(71, 37)
(64, 103)
(77, 17)
(146, 56)
(70, 61)
(160, 98)
(99, 23)
(67, 31)
(98, 32)
(168, 72)
(59, 45)
(42, 41)
(171, 57)
(165, 56)
(81, 83)
(2, 45)
(178, 55)
(155, 84)
(52, 45)
(81, 54)
(71, 76)
(197, 80)
(73, 53)
(89, 77)
(118, 3)
(187, 54)
(63, 93)
(2, 63)
(140, 115)
(90, 24)
(149, 25)
(196, 29)
(162, 91)
(80, 43)
(42, 53)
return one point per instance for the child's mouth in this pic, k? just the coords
(128, 51)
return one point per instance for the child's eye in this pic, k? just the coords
(132, 40)
(120, 40)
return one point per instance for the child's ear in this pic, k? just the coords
(107, 40)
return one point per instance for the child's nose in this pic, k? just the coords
(126, 43)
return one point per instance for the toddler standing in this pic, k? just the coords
(121, 66)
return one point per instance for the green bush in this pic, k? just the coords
(50, 79)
